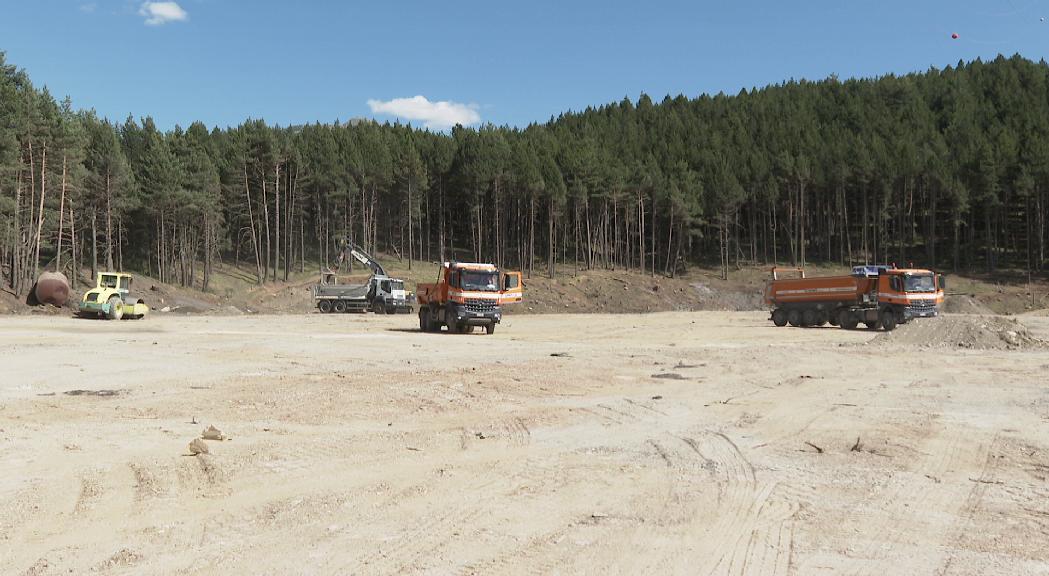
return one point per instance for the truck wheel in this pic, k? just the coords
(779, 317)
(888, 320)
(808, 318)
(324, 306)
(339, 306)
(846, 320)
(489, 329)
(794, 318)
(116, 308)
(424, 321)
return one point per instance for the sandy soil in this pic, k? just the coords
(675, 443)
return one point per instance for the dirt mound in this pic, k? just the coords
(972, 332)
(964, 304)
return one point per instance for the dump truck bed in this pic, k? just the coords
(341, 292)
(425, 293)
(843, 289)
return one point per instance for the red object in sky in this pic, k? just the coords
(954, 36)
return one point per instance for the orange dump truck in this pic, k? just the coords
(466, 295)
(878, 296)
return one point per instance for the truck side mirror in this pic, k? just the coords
(942, 280)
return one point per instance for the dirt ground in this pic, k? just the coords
(670, 443)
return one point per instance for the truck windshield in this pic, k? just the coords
(919, 283)
(397, 285)
(475, 280)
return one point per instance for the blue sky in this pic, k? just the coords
(506, 62)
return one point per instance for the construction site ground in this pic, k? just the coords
(668, 443)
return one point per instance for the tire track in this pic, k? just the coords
(971, 505)
(456, 517)
(753, 524)
(935, 486)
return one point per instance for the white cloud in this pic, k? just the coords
(88, 7)
(158, 13)
(436, 115)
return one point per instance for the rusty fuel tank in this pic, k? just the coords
(52, 288)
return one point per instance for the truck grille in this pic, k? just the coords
(481, 306)
(922, 305)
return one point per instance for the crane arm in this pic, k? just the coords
(349, 249)
(366, 259)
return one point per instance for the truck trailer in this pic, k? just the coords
(878, 296)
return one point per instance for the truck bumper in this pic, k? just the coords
(911, 312)
(463, 315)
(400, 306)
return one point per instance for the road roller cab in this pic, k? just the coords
(111, 298)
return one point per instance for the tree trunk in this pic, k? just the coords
(254, 237)
(16, 253)
(266, 227)
(801, 221)
(276, 220)
(531, 234)
(550, 244)
(40, 216)
(94, 246)
(61, 217)
(74, 261)
(410, 225)
(109, 223)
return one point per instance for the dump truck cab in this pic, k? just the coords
(111, 298)
(388, 296)
(910, 292)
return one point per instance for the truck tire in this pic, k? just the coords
(339, 306)
(808, 317)
(794, 318)
(779, 317)
(847, 320)
(324, 306)
(888, 320)
(424, 321)
(490, 328)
